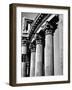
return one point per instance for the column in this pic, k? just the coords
(24, 55)
(32, 61)
(49, 57)
(58, 48)
(60, 28)
(39, 53)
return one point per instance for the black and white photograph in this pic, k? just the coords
(41, 44)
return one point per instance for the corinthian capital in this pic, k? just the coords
(32, 47)
(24, 41)
(50, 28)
(38, 39)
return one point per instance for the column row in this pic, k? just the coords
(36, 65)
(42, 53)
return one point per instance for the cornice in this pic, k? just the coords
(39, 20)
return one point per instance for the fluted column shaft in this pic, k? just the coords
(49, 28)
(32, 61)
(24, 55)
(49, 61)
(58, 48)
(38, 61)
